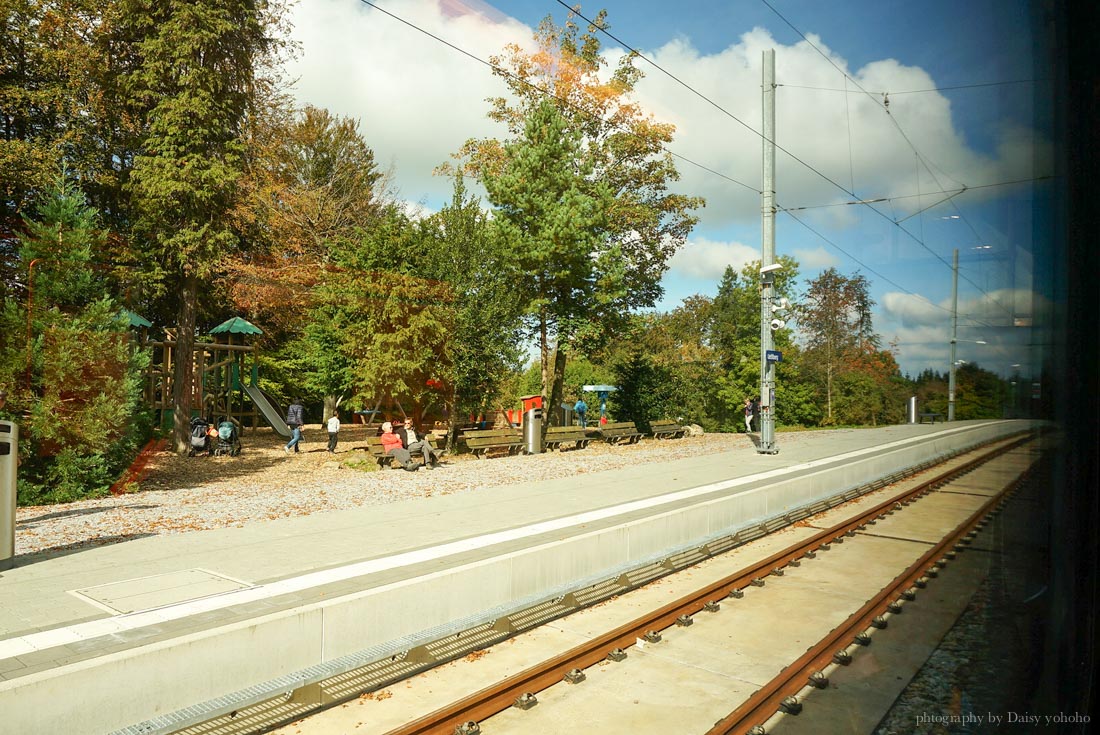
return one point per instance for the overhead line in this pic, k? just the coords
(779, 147)
(893, 283)
(904, 136)
(910, 91)
(538, 89)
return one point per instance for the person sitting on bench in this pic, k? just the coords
(416, 446)
(391, 443)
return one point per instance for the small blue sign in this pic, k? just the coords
(773, 356)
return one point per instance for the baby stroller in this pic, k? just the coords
(200, 437)
(229, 438)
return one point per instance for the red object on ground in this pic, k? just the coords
(138, 468)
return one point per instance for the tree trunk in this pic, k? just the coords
(550, 411)
(451, 442)
(544, 355)
(332, 405)
(184, 372)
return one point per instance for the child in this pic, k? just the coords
(333, 432)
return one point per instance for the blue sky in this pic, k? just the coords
(418, 100)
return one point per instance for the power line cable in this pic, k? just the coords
(885, 106)
(910, 91)
(679, 81)
(893, 283)
(540, 90)
(953, 192)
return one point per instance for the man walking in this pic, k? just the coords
(581, 409)
(295, 417)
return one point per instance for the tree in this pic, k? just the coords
(194, 79)
(552, 216)
(835, 318)
(735, 334)
(81, 392)
(394, 322)
(620, 148)
(310, 179)
(467, 253)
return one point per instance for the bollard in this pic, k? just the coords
(911, 410)
(9, 460)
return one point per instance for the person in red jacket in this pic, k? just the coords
(391, 444)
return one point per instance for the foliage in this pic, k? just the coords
(835, 317)
(193, 79)
(465, 251)
(81, 401)
(576, 133)
(309, 181)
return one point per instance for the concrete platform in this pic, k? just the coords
(110, 638)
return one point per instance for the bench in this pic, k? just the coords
(374, 446)
(558, 435)
(614, 433)
(930, 416)
(481, 441)
(667, 429)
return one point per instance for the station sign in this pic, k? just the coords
(773, 356)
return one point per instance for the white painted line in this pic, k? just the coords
(132, 621)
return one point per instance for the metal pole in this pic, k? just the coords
(954, 335)
(9, 461)
(767, 278)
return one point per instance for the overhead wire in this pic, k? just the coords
(905, 137)
(910, 91)
(545, 92)
(567, 103)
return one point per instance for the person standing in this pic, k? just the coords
(392, 445)
(295, 417)
(748, 415)
(581, 409)
(333, 432)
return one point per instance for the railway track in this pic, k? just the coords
(902, 537)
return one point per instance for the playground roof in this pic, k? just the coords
(236, 325)
(136, 320)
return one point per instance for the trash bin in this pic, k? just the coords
(911, 410)
(9, 459)
(532, 424)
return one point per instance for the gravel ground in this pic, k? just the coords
(264, 483)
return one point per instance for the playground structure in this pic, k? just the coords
(219, 366)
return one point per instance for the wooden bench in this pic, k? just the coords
(930, 416)
(614, 433)
(558, 435)
(481, 441)
(374, 446)
(667, 429)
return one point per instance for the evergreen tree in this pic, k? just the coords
(622, 150)
(80, 394)
(194, 77)
(553, 218)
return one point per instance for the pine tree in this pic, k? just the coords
(194, 78)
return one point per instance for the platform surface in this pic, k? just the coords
(70, 609)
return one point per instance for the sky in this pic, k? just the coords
(937, 161)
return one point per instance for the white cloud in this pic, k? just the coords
(911, 310)
(417, 100)
(703, 258)
(816, 259)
